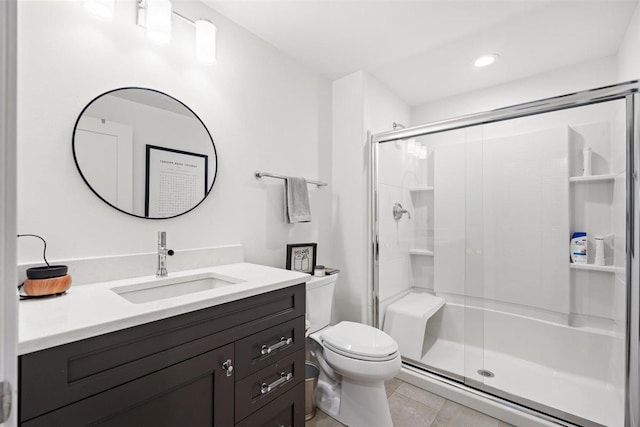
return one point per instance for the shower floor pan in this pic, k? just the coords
(586, 398)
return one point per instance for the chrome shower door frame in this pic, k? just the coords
(629, 91)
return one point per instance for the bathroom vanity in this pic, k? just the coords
(239, 361)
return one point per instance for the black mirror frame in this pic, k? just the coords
(75, 158)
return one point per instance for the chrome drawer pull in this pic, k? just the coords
(268, 349)
(266, 388)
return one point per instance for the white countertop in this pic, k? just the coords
(90, 310)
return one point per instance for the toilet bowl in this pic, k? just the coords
(354, 359)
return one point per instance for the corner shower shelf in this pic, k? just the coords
(420, 188)
(422, 252)
(593, 178)
(603, 268)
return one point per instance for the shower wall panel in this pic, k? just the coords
(526, 219)
(524, 215)
(398, 172)
(449, 221)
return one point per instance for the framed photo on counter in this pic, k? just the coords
(301, 257)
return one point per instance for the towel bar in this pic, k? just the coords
(259, 174)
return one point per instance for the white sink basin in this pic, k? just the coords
(169, 287)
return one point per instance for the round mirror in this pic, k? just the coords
(144, 153)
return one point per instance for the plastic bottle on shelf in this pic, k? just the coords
(579, 247)
(586, 161)
(599, 258)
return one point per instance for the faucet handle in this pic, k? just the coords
(398, 211)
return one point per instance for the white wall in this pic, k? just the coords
(361, 104)
(264, 111)
(349, 197)
(628, 58)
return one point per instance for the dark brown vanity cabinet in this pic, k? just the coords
(240, 363)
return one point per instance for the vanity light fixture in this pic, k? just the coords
(156, 16)
(485, 60)
(205, 41)
(157, 19)
(101, 8)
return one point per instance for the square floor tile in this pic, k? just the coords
(391, 385)
(410, 413)
(322, 420)
(419, 395)
(455, 415)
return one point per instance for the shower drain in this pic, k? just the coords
(486, 373)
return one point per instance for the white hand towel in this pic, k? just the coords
(296, 200)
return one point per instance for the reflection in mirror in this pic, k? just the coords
(144, 153)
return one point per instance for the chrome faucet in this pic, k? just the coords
(162, 254)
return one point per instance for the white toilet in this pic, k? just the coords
(354, 359)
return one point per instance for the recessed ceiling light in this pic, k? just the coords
(485, 60)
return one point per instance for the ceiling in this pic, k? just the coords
(424, 50)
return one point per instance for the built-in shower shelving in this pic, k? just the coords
(591, 221)
(418, 189)
(592, 267)
(593, 178)
(421, 252)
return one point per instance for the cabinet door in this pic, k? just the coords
(196, 392)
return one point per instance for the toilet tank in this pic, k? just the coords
(320, 301)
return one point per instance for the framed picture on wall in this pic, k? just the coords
(301, 257)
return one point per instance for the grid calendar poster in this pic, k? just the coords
(176, 181)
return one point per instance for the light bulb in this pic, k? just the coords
(158, 20)
(485, 60)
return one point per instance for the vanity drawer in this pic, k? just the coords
(264, 386)
(59, 376)
(287, 411)
(264, 348)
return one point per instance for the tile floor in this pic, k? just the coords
(413, 407)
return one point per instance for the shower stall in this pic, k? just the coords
(473, 273)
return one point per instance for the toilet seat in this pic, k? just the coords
(358, 341)
(341, 352)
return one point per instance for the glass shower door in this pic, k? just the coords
(553, 325)
(426, 302)
(478, 278)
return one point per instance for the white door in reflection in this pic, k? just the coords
(107, 150)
